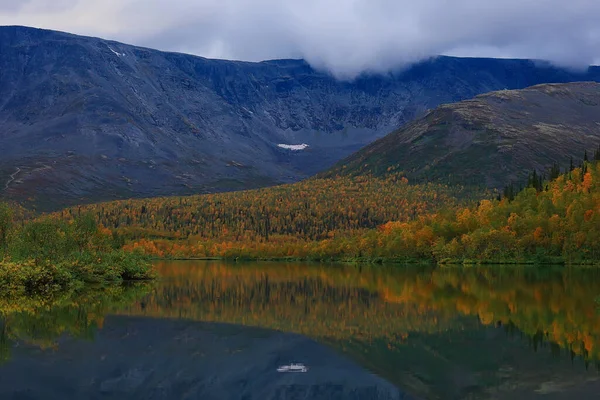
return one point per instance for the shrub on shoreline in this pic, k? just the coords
(47, 255)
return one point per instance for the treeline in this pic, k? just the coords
(560, 224)
(538, 180)
(311, 210)
(47, 255)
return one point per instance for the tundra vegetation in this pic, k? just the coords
(47, 255)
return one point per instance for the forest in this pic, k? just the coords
(311, 210)
(367, 218)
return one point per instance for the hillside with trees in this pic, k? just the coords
(311, 210)
(370, 218)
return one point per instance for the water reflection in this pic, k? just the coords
(79, 313)
(554, 305)
(439, 332)
(464, 331)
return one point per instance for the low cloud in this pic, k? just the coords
(345, 37)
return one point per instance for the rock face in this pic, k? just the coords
(136, 358)
(491, 140)
(85, 119)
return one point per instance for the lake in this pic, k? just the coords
(215, 330)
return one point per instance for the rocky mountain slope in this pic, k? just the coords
(492, 140)
(85, 119)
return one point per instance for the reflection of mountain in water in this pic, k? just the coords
(431, 330)
(147, 358)
(439, 332)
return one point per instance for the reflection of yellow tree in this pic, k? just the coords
(335, 302)
(560, 306)
(377, 302)
(4, 343)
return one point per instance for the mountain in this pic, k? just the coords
(491, 140)
(85, 119)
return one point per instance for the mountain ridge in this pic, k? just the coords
(86, 119)
(491, 140)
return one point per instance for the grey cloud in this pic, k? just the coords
(14, 6)
(345, 37)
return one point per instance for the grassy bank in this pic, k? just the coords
(49, 255)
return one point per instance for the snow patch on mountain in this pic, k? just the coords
(117, 53)
(293, 147)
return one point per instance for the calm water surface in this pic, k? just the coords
(433, 333)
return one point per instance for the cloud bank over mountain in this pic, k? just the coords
(346, 37)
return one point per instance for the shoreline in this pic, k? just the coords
(394, 261)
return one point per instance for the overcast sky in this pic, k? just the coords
(344, 36)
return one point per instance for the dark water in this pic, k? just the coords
(215, 330)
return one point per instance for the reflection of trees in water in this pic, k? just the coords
(4, 342)
(551, 308)
(307, 292)
(541, 340)
(556, 302)
(40, 321)
(370, 302)
(309, 305)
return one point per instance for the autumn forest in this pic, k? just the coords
(366, 218)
